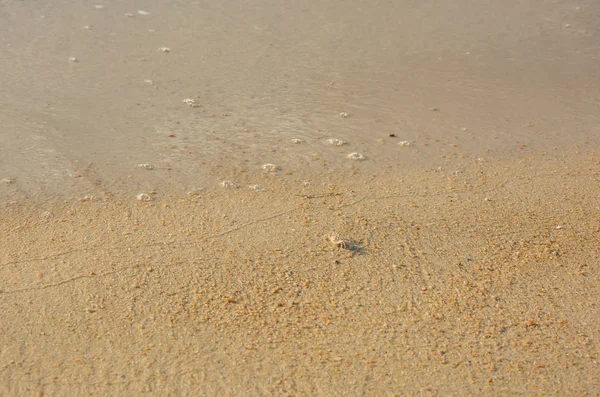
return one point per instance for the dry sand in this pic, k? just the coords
(470, 262)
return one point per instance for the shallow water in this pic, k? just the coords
(491, 79)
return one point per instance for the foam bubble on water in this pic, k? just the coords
(228, 184)
(191, 102)
(143, 197)
(270, 167)
(335, 142)
(356, 156)
(88, 197)
(47, 215)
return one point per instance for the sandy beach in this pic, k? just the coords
(253, 198)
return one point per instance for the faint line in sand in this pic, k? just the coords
(59, 283)
(154, 244)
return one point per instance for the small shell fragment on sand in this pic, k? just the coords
(296, 140)
(142, 12)
(335, 142)
(73, 59)
(191, 102)
(143, 197)
(98, 6)
(228, 184)
(270, 167)
(145, 166)
(404, 143)
(344, 115)
(356, 156)
(8, 181)
(256, 188)
(164, 49)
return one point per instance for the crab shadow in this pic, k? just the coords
(356, 247)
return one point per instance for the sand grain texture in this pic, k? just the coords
(463, 285)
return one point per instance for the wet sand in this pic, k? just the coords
(165, 215)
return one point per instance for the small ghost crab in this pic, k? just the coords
(335, 239)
